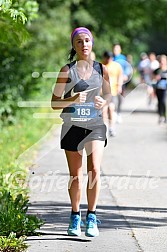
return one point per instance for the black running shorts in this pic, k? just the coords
(73, 138)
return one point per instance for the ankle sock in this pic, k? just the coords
(75, 213)
(92, 212)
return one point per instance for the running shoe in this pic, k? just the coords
(112, 132)
(91, 226)
(74, 228)
(162, 119)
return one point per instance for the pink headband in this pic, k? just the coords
(78, 30)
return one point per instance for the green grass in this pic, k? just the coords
(26, 131)
(17, 138)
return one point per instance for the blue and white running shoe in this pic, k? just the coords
(74, 228)
(91, 226)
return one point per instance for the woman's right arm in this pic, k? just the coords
(57, 102)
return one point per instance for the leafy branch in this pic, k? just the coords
(14, 15)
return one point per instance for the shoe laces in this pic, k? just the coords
(75, 221)
(91, 221)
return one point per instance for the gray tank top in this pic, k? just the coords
(83, 114)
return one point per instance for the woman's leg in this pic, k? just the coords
(74, 160)
(164, 103)
(158, 94)
(112, 118)
(94, 151)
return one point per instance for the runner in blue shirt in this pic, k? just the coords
(121, 59)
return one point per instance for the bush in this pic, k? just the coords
(14, 217)
(12, 244)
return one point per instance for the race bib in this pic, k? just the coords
(84, 112)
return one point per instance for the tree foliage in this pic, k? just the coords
(13, 16)
(134, 23)
(139, 25)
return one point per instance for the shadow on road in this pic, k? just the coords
(56, 216)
